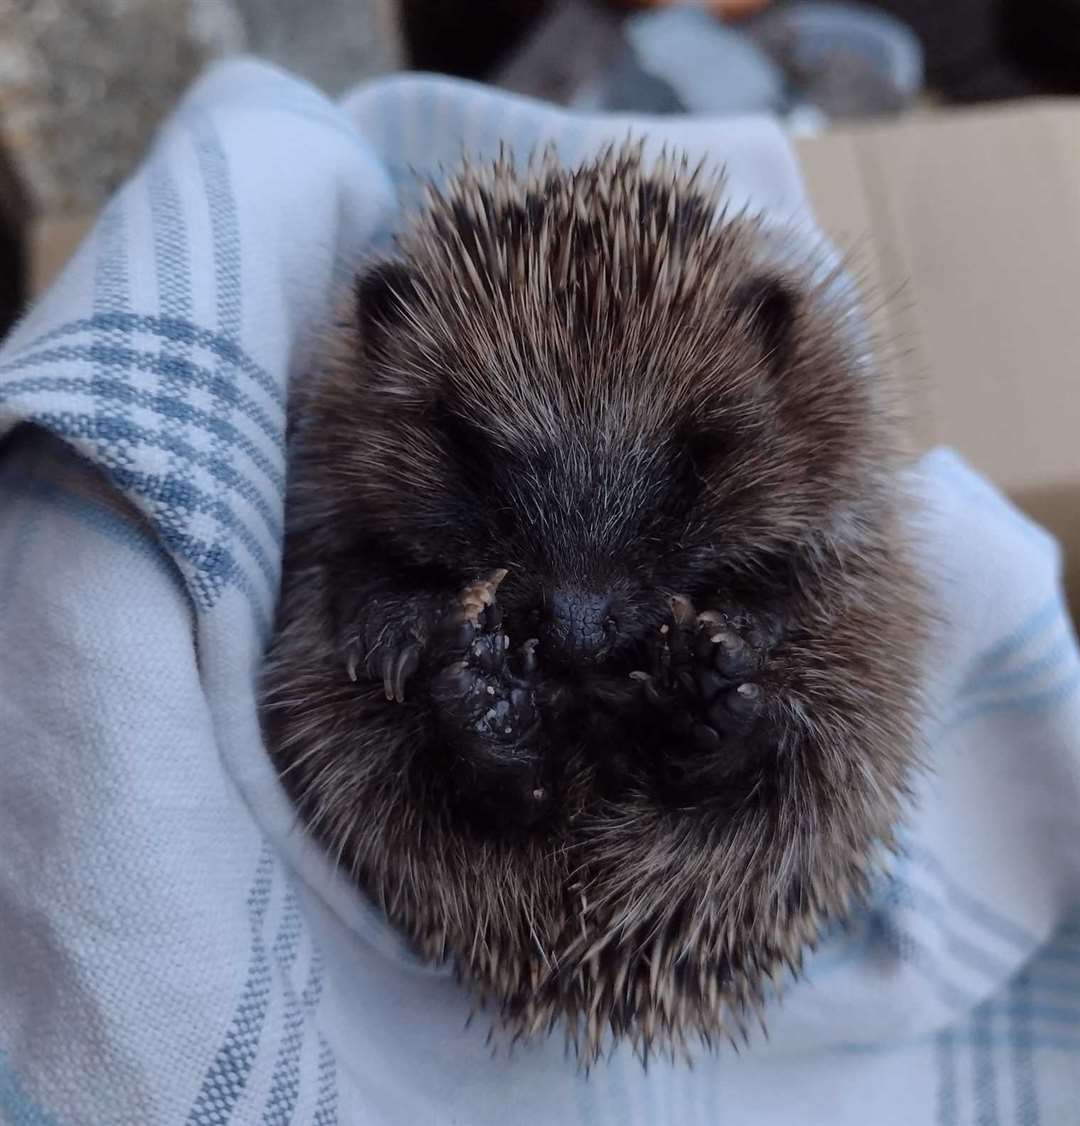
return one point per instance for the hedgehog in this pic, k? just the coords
(597, 661)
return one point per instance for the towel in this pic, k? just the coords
(174, 949)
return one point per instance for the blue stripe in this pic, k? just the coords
(110, 293)
(946, 1113)
(224, 224)
(1050, 1014)
(171, 367)
(173, 272)
(1025, 1088)
(119, 354)
(895, 892)
(967, 1037)
(883, 930)
(327, 1104)
(326, 1110)
(1055, 953)
(171, 261)
(312, 994)
(924, 905)
(979, 912)
(285, 1081)
(1031, 702)
(1032, 669)
(170, 409)
(985, 1078)
(1059, 652)
(174, 330)
(110, 285)
(1014, 641)
(225, 238)
(16, 1105)
(228, 1074)
(921, 959)
(171, 440)
(215, 562)
(110, 267)
(1054, 985)
(1049, 1035)
(110, 435)
(961, 948)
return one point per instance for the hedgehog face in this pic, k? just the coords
(607, 466)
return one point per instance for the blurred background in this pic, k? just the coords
(84, 82)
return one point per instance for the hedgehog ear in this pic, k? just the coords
(381, 297)
(767, 307)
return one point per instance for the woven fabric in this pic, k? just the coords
(173, 949)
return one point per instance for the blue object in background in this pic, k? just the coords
(849, 60)
(713, 68)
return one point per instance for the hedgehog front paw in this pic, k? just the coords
(485, 692)
(385, 641)
(485, 703)
(392, 635)
(707, 684)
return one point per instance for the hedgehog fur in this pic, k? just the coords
(597, 660)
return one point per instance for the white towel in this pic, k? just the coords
(172, 948)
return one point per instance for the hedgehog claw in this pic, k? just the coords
(732, 655)
(397, 671)
(682, 610)
(702, 667)
(745, 699)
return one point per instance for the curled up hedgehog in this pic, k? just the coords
(598, 656)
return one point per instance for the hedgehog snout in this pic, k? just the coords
(578, 625)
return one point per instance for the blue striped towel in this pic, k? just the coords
(173, 949)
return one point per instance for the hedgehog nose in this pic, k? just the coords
(578, 624)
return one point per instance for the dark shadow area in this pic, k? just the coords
(464, 38)
(13, 262)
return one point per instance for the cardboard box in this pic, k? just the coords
(966, 226)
